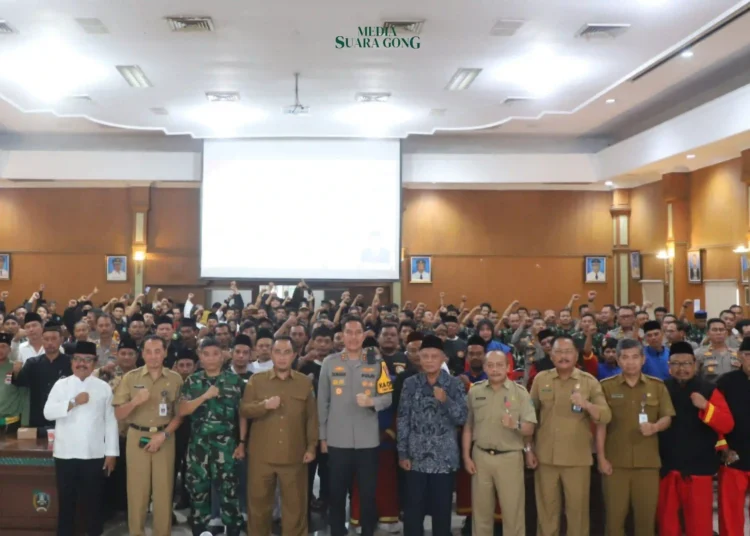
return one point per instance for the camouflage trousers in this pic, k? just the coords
(209, 459)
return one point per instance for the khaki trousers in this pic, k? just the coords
(261, 490)
(149, 475)
(639, 487)
(550, 482)
(501, 474)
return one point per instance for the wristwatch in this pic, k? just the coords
(73, 403)
(528, 448)
(166, 434)
(518, 424)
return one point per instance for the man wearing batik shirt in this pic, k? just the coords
(433, 405)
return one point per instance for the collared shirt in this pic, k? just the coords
(343, 423)
(244, 375)
(284, 434)
(39, 374)
(656, 363)
(715, 363)
(427, 427)
(164, 390)
(88, 431)
(219, 416)
(606, 370)
(27, 350)
(626, 446)
(563, 436)
(105, 353)
(486, 407)
(619, 334)
(257, 366)
(14, 401)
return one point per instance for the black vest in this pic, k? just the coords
(688, 445)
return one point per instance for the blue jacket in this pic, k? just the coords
(657, 363)
(607, 371)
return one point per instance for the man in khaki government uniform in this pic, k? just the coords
(500, 416)
(628, 446)
(147, 400)
(283, 439)
(567, 400)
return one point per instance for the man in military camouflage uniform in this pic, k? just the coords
(212, 398)
(588, 326)
(697, 333)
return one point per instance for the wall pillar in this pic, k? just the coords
(140, 204)
(676, 190)
(620, 211)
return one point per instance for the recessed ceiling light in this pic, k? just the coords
(690, 156)
(609, 183)
(134, 76)
(687, 53)
(462, 79)
(610, 101)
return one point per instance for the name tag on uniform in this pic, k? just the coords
(481, 398)
(618, 395)
(642, 418)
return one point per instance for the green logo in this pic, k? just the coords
(377, 37)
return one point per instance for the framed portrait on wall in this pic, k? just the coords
(595, 269)
(4, 266)
(117, 268)
(695, 266)
(421, 269)
(635, 265)
(745, 268)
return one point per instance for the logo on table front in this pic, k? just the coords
(377, 37)
(41, 501)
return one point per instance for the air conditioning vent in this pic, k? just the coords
(190, 24)
(222, 96)
(403, 26)
(92, 26)
(515, 100)
(602, 31)
(373, 97)
(506, 28)
(6, 28)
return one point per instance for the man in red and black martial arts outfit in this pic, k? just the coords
(688, 447)
(734, 477)
(476, 349)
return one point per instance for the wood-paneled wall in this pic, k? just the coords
(499, 246)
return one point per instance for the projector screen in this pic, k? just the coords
(301, 209)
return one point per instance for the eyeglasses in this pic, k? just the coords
(681, 364)
(81, 359)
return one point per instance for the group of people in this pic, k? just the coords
(394, 408)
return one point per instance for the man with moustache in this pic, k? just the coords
(568, 400)
(188, 334)
(717, 358)
(211, 398)
(40, 373)
(500, 416)
(656, 352)
(687, 448)
(263, 346)
(283, 439)
(390, 349)
(137, 329)
(86, 440)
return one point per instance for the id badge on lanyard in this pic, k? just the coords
(163, 406)
(642, 417)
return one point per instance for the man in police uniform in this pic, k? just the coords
(211, 397)
(353, 387)
(147, 400)
(568, 401)
(500, 416)
(628, 447)
(717, 358)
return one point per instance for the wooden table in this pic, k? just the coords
(28, 491)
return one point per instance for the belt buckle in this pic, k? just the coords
(153, 429)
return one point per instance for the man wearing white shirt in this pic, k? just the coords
(86, 440)
(263, 351)
(33, 346)
(117, 273)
